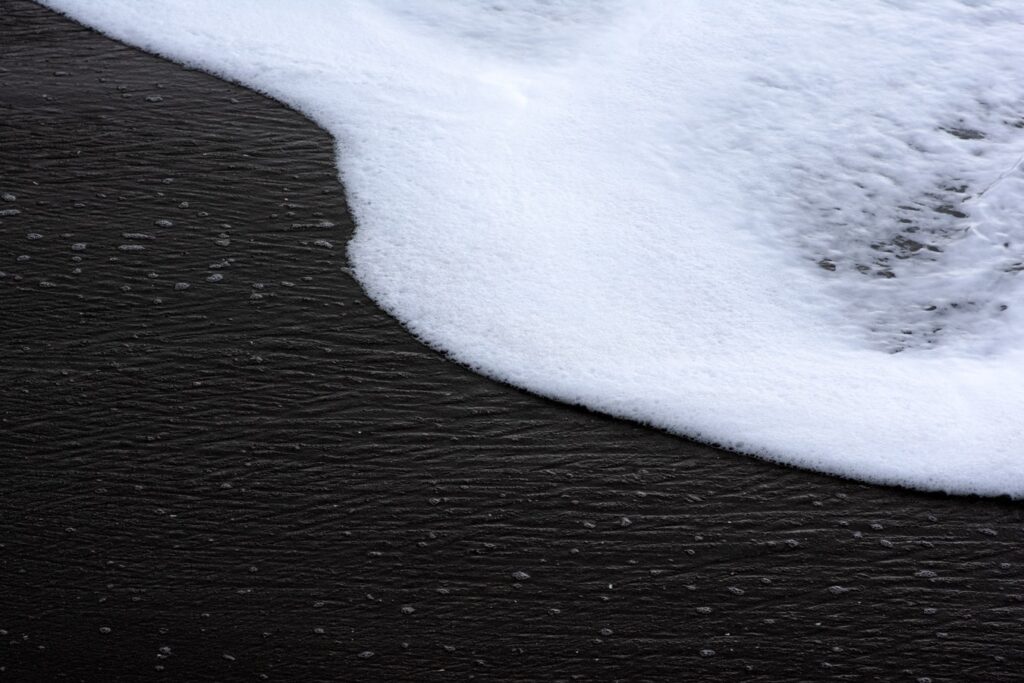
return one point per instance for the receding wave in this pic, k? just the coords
(794, 229)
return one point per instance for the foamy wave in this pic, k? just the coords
(794, 228)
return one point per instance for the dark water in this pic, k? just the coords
(267, 477)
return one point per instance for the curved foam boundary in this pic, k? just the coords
(687, 214)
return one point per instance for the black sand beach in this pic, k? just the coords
(265, 477)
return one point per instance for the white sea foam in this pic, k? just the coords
(790, 228)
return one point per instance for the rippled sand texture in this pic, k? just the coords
(254, 479)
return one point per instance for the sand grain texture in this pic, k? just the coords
(265, 475)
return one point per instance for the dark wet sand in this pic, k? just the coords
(267, 477)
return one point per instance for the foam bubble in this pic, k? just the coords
(793, 229)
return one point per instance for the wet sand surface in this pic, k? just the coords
(219, 461)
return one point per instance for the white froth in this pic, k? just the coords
(793, 228)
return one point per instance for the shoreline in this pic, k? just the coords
(269, 476)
